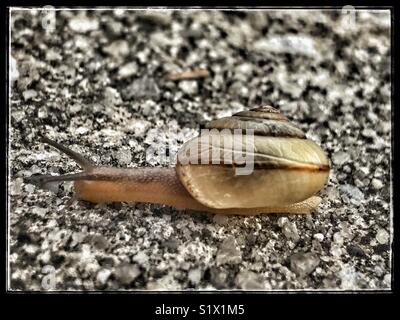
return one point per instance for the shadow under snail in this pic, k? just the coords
(288, 171)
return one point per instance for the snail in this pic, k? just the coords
(287, 170)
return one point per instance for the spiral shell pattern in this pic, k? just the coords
(287, 167)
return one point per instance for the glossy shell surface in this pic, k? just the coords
(287, 167)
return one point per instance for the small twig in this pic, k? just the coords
(189, 75)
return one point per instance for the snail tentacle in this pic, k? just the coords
(42, 179)
(79, 159)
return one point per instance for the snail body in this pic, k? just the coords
(287, 170)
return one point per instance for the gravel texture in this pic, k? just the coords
(97, 84)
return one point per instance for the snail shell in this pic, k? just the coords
(288, 168)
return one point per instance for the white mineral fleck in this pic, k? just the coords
(149, 107)
(41, 212)
(76, 107)
(44, 257)
(77, 237)
(319, 237)
(83, 24)
(352, 192)
(282, 221)
(340, 157)
(111, 97)
(30, 249)
(377, 184)
(42, 112)
(117, 49)
(16, 186)
(387, 279)
(382, 236)
(337, 237)
(18, 115)
(139, 127)
(14, 74)
(369, 133)
(128, 70)
(294, 44)
(188, 86)
(82, 130)
(29, 188)
(53, 55)
(141, 258)
(194, 276)
(336, 250)
(103, 275)
(29, 94)
(243, 71)
(349, 277)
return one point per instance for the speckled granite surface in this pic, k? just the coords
(97, 83)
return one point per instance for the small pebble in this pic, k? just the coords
(194, 276)
(103, 275)
(319, 237)
(382, 236)
(127, 70)
(14, 74)
(355, 250)
(141, 258)
(83, 24)
(189, 87)
(117, 49)
(228, 252)
(340, 157)
(29, 94)
(354, 193)
(289, 229)
(294, 44)
(376, 184)
(282, 221)
(126, 273)
(303, 263)
(218, 278)
(75, 108)
(249, 280)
